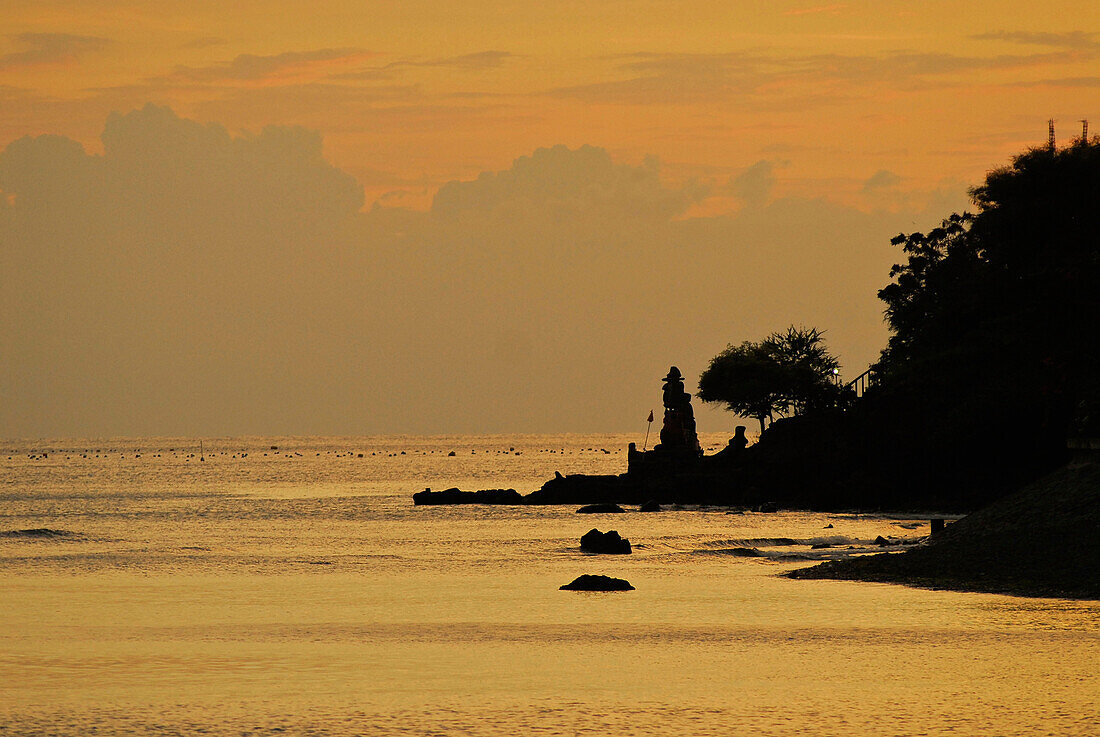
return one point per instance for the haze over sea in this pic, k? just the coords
(289, 586)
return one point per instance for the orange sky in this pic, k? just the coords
(747, 166)
(412, 94)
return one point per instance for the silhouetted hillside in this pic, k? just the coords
(1039, 541)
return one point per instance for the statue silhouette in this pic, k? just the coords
(678, 432)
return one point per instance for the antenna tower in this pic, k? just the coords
(1085, 131)
(1050, 135)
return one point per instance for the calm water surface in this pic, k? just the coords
(297, 591)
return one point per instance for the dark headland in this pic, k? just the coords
(985, 400)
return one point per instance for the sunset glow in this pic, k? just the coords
(850, 121)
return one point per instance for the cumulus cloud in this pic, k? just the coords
(50, 48)
(554, 182)
(754, 185)
(881, 179)
(181, 252)
(192, 281)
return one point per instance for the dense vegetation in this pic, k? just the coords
(992, 361)
(1000, 308)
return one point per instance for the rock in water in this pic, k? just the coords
(597, 583)
(455, 496)
(650, 506)
(609, 543)
(43, 533)
(600, 509)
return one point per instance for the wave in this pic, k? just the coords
(780, 542)
(735, 552)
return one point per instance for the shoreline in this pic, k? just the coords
(1042, 541)
(868, 570)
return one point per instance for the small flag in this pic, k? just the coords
(650, 416)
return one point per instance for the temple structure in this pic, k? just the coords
(679, 447)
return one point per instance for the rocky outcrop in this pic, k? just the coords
(597, 583)
(601, 509)
(1040, 541)
(581, 489)
(456, 496)
(604, 543)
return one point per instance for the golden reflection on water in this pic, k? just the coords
(212, 606)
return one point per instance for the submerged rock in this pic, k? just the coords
(650, 506)
(600, 509)
(597, 583)
(741, 552)
(607, 543)
(39, 533)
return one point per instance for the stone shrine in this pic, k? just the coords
(678, 432)
(679, 448)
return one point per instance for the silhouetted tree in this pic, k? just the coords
(786, 373)
(996, 314)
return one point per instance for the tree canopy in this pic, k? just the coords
(786, 373)
(999, 309)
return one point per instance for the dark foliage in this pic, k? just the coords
(995, 314)
(785, 374)
(992, 363)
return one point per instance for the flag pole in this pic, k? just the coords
(647, 427)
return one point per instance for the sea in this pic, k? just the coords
(289, 586)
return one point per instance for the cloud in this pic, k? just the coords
(1068, 40)
(191, 281)
(182, 250)
(559, 183)
(51, 48)
(471, 62)
(754, 185)
(479, 61)
(758, 78)
(1069, 82)
(365, 75)
(253, 67)
(881, 179)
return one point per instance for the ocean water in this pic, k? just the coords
(289, 586)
